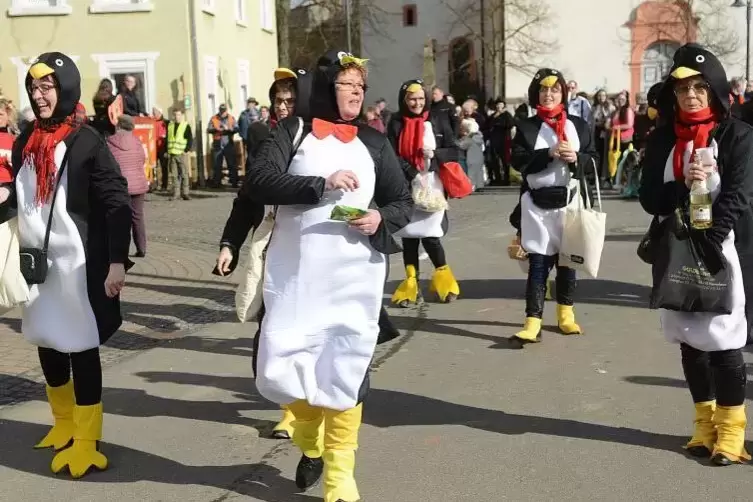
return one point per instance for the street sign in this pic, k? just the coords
(187, 102)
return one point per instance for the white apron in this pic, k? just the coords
(541, 229)
(323, 287)
(710, 332)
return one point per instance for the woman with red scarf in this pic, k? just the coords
(694, 100)
(407, 131)
(551, 150)
(7, 136)
(68, 186)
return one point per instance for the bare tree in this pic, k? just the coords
(283, 32)
(515, 33)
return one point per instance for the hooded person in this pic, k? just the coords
(696, 113)
(65, 170)
(324, 273)
(424, 139)
(552, 151)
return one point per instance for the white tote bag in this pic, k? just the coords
(248, 296)
(583, 233)
(13, 288)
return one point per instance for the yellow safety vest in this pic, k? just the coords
(176, 141)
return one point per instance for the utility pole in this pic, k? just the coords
(503, 55)
(347, 26)
(482, 17)
(199, 132)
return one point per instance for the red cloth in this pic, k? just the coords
(377, 124)
(344, 132)
(411, 146)
(40, 150)
(129, 153)
(695, 127)
(6, 148)
(556, 118)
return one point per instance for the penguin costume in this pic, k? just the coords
(324, 280)
(413, 136)
(64, 167)
(547, 182)
(696, 114)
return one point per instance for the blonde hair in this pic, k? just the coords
(7, 105)
(469, 126)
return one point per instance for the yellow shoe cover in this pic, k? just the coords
(61, 401)
(531, 330)
(286, 424)
(443, 283)
(730, 424)
(704, 431)
(566, 320)
(308, 425)
(340, 445)
(83, 454)
(408, 289)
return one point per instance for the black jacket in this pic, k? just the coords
(444, 106)
(132, 105)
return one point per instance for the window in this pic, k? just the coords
(104, 6)
(240, 12)
(211, 77)
(39, 8)
(267, 15)
(244, 77)
(207, 6)
(22, 68)
(116, 66)
(657, 60)
(410, 15)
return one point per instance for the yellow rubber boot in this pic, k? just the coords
(284, 428)
(531, 330)
(340, 445)
(407, 292)
(308, 423)
(730, 424)
(61, 401)
(83, 454)
(566, 320)
(704, 431)
(443, 283)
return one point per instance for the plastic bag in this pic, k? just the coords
(427, 192)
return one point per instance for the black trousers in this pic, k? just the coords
(539, 267)
(433, 247)
(85, 366)
(719, 375)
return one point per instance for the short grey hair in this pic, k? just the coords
(125, 122)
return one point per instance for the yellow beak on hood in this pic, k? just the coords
(652, 113)
(413, 88)
(283, 73)
(352, 59)
(40, 70)
(549, 81)
(685, 72)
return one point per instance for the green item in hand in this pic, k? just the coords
(346, 213)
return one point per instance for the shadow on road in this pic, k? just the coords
(674, 382)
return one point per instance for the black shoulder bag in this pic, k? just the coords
(34, 260)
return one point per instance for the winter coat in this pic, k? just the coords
(129, 153)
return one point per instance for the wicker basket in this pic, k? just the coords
(516, 252)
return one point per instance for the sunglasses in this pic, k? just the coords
(698, 88)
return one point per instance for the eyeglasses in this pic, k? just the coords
(45, 89)
(698, 88)
(287, 102)
(550, 90)
(352, 86)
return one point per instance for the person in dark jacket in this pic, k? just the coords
(440, 103)
(694, 102)
(408, 133)
(132, 104)
(499, 131)
(101, 102)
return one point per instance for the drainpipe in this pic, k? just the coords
(483, 50)
(199, 131)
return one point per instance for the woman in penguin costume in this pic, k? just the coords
(694, 97)
(551, 150)
(407, 131)
(324, 279)
(64, 167)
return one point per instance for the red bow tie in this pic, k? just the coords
(344, 132)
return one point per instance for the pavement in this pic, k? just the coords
(456, 412)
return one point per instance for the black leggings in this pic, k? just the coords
(87, 373)
(433, 247)
(716, 375)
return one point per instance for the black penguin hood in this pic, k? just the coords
(546, 77)
(301, 80)
(412, 85)
(67, 79)
(692, 60)
(323, 100)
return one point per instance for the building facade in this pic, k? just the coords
(614, 44)
(150, 39)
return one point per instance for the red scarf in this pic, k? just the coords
(40, 151)
(411, 147)
(691, 126)
(556, 118)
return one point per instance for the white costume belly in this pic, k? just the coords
(710, 332)
(323, 287)
(58, 315)
(541, 229)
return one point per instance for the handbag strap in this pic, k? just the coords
(297, 140)
(63, 165)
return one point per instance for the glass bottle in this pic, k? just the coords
(700, 202)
